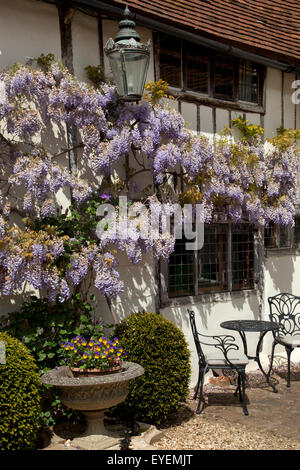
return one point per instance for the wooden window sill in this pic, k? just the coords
(211, 297)
(198, 98)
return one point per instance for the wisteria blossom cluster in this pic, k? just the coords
(144, 231)
(244, 182)
(234, 181)
(29, 256)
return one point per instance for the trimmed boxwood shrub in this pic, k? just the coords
(42, 326)
(19, 397)
(161, 348)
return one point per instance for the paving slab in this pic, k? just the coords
(64, 437)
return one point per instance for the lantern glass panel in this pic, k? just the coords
(116, 63)
(136, 67)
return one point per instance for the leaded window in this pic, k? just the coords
(249, 81)
(170, 60)
(190, 67)
(196, 68)
(242, 257)
(212, 259)
(181, 271)
(278, 236)
(224, 77)
(297, 232)
(225, 262)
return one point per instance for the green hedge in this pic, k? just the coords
(42, 326)
(161, 348)
(19, 397)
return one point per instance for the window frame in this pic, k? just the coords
(165, 300)
(183, 93)
(296, 244)
(277, 241)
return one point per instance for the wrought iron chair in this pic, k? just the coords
(285, 311)
(221, 357)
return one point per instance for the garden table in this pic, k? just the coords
(243, 326)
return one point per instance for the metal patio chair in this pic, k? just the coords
(221, 356)
(285, 311)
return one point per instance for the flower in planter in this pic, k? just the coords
(93, 354)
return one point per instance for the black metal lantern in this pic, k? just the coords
(129, 60)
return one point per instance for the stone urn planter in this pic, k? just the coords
(77, 372)
(93, 395)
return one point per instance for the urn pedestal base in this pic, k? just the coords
(92, 396)
(96, 436)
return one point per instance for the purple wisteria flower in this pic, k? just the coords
(105, 196)
(234, 181)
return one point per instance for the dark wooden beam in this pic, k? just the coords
(155, 40)
(100, 43)
(214, 102)
(282, 98)
(214, 118)
(66, 14)
(295, 108)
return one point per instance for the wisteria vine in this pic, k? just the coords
(57, 251)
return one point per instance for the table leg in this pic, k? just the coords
(267, 375)
(243, 336)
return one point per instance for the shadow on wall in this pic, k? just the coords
(54, 138)
(281, 270)
(211, 312)
(12, 303)
(139, 291)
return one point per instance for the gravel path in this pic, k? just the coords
(199, 434)
(273, 422)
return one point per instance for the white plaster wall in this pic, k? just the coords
(85, 42)
(297, 112)
(206, 120)
(254, 118)
(139, 289)
(273, 85)
(288, 106)
(210, 313)
(281, 275)
(222, 119)
(189, 113)
(28, 28)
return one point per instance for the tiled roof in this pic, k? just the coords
(267, 27)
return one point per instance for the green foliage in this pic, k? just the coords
(19, 397)
(247, 129)
(226, 131)
(95, 74)
(79, 222)
(160, 347)
(157, 90)
(42, 326)
(285, 138)
(45, 61)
